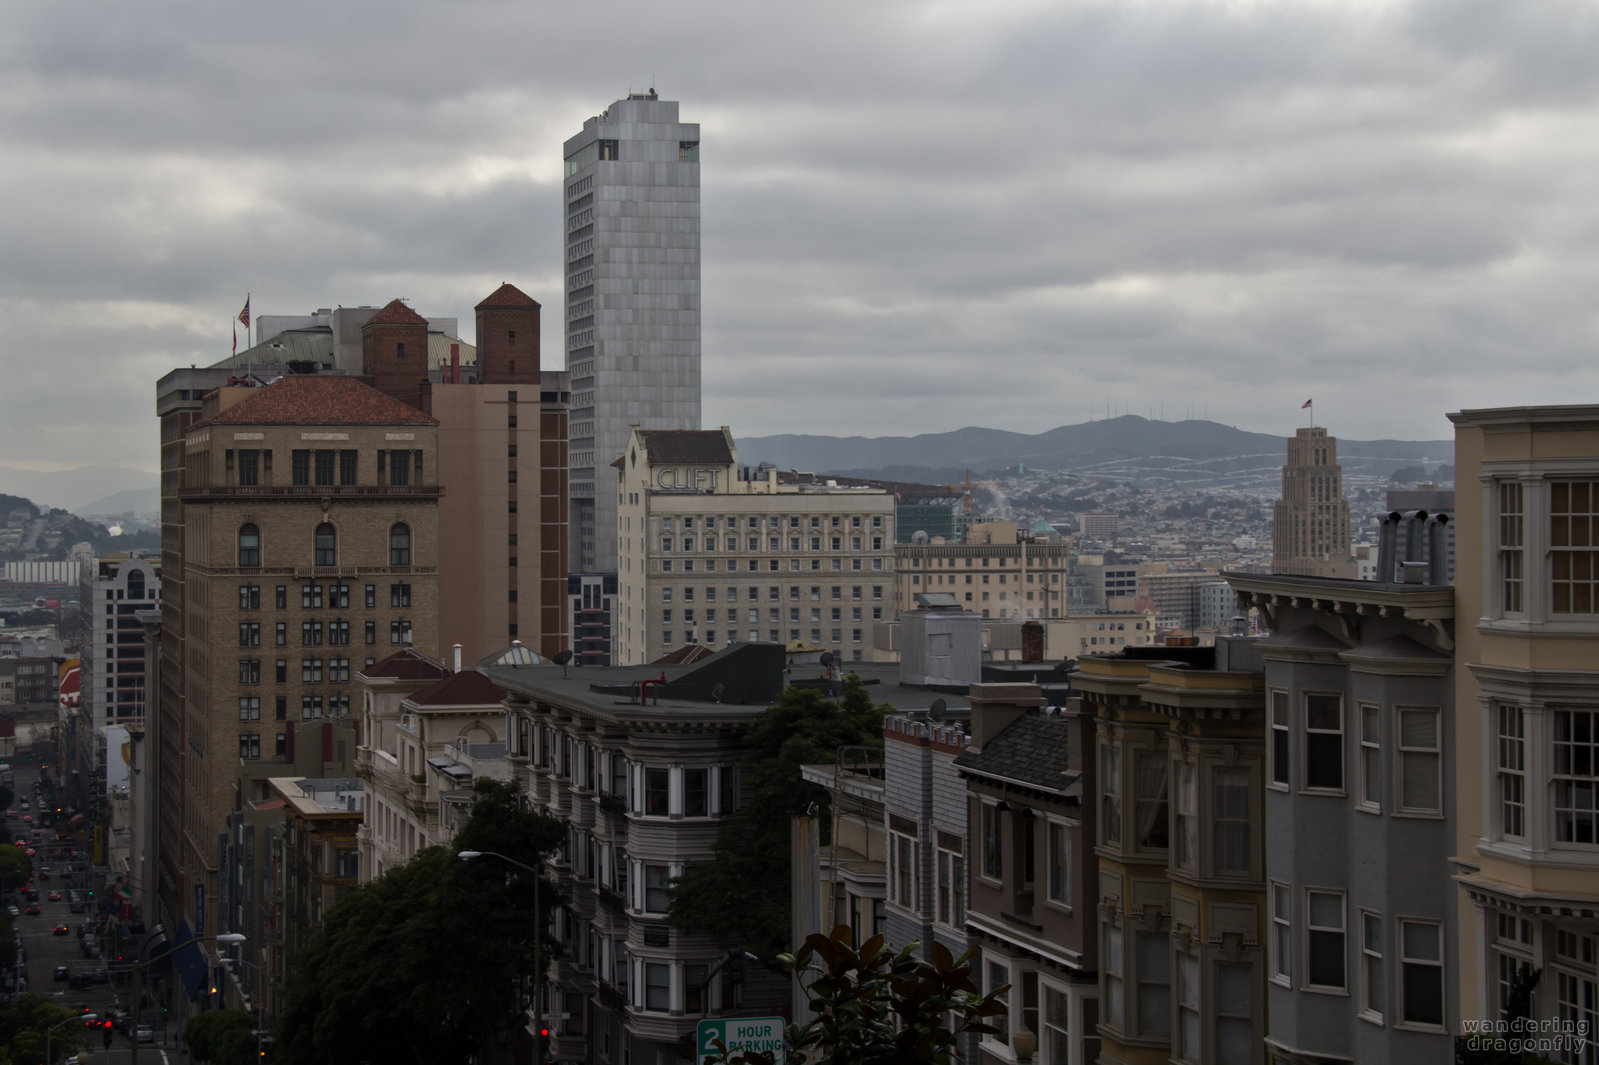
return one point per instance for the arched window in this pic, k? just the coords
(400, 545)
(249, 545)
(326, 545)
(136, 584)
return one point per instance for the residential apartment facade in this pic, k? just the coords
(631, 215)
(1527, 753)
(712, 554)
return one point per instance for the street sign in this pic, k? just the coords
(742, 1033)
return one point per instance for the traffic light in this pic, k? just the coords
(545, 1051)
(105, 1033)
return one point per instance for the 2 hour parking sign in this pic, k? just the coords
(743, 1033)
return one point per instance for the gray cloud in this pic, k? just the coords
(916, 216)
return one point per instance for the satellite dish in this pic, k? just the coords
(827, 658)
(562, 658)
(717, 691)
(936, 711)
(919, 536)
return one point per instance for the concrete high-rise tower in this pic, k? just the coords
(1310, 525)
(632, 214)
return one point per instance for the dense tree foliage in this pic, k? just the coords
(742, 898)
(23, 1028)
(874, 1006)
(432, 962)
(221, 1037)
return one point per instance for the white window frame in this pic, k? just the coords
(1343, 743)
(1342, 932)
(1371, 777)
(902, 869)
(1281, 747)
(1113, 977)
(1282, 934)
(1509, 724)
(1536, 550)
(1437, 965)
(1001, 964)
(1402, 763)
(950, 902)
(1372, 999)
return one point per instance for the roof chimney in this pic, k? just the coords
(458, 658)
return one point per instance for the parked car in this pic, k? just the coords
(62, 973)
(146, 1034)
(61, 930)
(33, 909)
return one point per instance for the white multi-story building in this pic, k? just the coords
(712, 555)
(632, 222)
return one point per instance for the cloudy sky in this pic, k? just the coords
(917, 214)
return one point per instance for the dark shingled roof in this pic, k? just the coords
(461, 689)
(1031, 750)
(687, 445)
(508, 295)
(396, 313)
(315, 399)
(408, 664)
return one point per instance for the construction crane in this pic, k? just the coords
(967, 487)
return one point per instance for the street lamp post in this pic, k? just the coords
(138, 972)
(83, 1055)
(538, 934)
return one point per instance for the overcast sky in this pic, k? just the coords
(916, 215)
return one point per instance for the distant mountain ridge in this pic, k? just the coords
(82, 486)
(939, 457)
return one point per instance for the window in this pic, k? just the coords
(998, 977)
(249, 545)
(1188, 1041)
(339, 596)
(1371, 990)
(1279, 739)
(1151, 804)
(249, 634)
(400, 545)
(1281, 934)
(1324, 940)
(310, 671)
(951, 900)
(1511, 770)
(993, 845)
(249, 708)
(399, 467)
(371, 635)
(1231, 840)
(399, 595)
(301, 465)
(1235, 1025)
(249, 671)
(310, 597)
(1114, 977)
(902, 870)
(310, 634)
(324, 466)
(371, 596)
(281, 634)
(249, 597)
(249, 468)
(1573, 506)
(696, 792)
(1370, 759)
(282, 669)
(1187, 815)
(1420, 761)
(1056, 1036)
(1421, 982)
(326, 555)
(656, 879)
(1576, 763)
(1058, 856)
(339, 633)
(250, 745)
(657, 986)
(656, 791)
(1154, 984)
(400, 631)
(348, 467)
(1324, 742)
(1110, 826)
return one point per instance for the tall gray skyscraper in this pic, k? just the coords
(632, 206)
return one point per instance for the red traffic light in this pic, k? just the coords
(105, 1024)
(544, 1033)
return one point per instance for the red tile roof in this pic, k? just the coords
(468, 688)
(409, 664)
(313, 399)
(396, 313)
(508, 295)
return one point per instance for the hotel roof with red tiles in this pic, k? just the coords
(508, 295)
(314, 399)
(409, 664)
(396, 313)
(468, 688)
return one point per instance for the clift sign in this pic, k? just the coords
(688, 478)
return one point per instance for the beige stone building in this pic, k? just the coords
(310, 545)
(713, 554)
(1527, 754)
(1310, 525)
(997, 572)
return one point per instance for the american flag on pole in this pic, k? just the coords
(244, 315)
(1302, 406)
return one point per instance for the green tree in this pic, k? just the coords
(742, 897)
(23, 1026)
(222, 1037)
(874, 1006)
(432, 962)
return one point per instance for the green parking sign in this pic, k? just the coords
(742, 1033)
